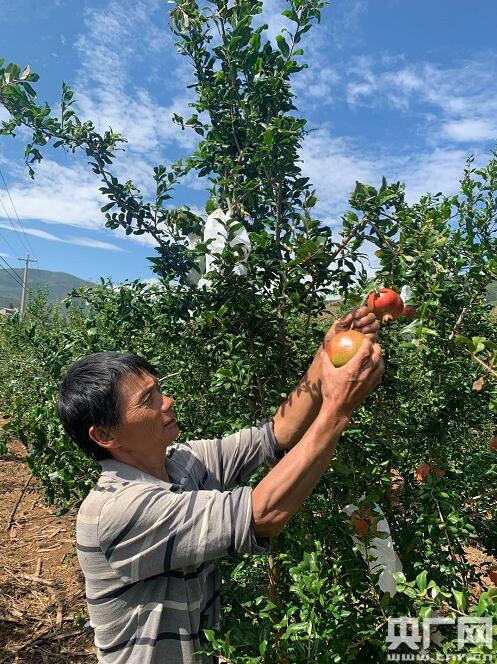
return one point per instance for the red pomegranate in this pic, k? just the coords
(425, 469)
(343, 346)
(387, 305)
(364, 522)
(409, 312)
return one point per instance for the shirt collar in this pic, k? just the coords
(117, 470)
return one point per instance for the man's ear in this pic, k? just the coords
(103, 436)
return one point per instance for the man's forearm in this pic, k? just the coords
(285, 488)
(299, 410)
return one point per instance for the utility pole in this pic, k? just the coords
(27, 261)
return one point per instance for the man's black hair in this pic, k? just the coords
(89, 395)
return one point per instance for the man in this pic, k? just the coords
(150, 531)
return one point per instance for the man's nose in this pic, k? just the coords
(167, 403)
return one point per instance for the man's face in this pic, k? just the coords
(148, 423)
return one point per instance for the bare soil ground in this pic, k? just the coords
(42, 607)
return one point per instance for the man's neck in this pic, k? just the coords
(152, 466)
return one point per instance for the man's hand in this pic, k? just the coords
(300, 409)
(283, 490)
(360, 319)
(344, 389)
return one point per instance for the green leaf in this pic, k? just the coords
(295, 628)
(290, 13)
(210, 205)
(461, 600)
(425, 612)
(282, 45)
(421, 580)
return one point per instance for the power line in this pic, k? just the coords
(14, 251)
(30, 248)
(13, 228)
(12, 272)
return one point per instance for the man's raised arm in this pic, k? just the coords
(284, 489)
(300, 409)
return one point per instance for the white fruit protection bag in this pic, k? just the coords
(215, 229)
(380, 553)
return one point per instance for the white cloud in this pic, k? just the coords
(94, 244)
(70, 195)
(4, 115)
(36, 232)
(79, 241)
(334, 165)
(429, 171)
(145, 123)
(317, 83)
(60, 194)
(468, 130)
(345, 22)
(271, 15)
(106, 91)
(464, 96)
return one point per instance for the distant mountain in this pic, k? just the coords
(57, 283)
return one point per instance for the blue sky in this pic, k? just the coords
(401, 88)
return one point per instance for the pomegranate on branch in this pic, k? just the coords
(364, 522)
(492, 443)
(409, 312)
(385, 304)
(425, 469)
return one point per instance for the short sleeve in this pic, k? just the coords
(145, 530)
(233, 459)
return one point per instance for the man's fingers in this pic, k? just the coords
(377, 352)
(345, 322)
(367, 357)
(375, 358)
(371, 331)
(377, 375)
(365, 321)
(362, 312)
(378, 372)
(363, 355)
(358, 319)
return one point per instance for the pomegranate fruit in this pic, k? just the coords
(425, 469)
(386, 305)
(364, 523)
(409, 312)
(343, 346)
(492, 443)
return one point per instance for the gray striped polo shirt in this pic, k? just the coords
(147, 548)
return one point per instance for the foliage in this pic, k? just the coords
(230, 351)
